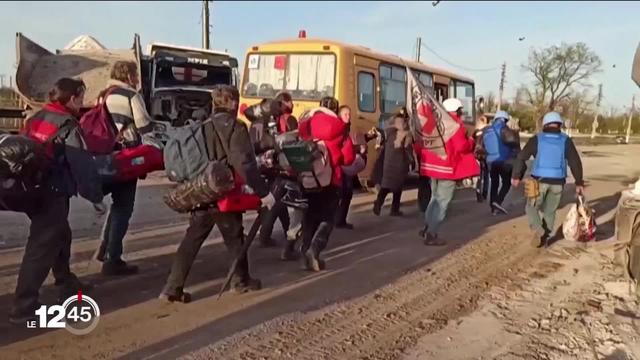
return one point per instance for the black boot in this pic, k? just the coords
(396, 213)
(70, 286)
(19, 317)
(100, 253)
(177, 295)
(345, 225)
(268, 242)
(289, 252)
(118, 268)
(246, 285)
(422, 233)
(377, 206)
(320, 240)
(311, 260)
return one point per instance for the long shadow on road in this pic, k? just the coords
(379, 251)
(369, 267)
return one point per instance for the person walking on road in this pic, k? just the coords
(269, 119)
(501, 145)
(396, 161)
(323, 124)
(350, 172)
(482, 186)
(127, 109)
(552, 150)
(424, 182)
(241, 158)
(459, 163)
(49, 244)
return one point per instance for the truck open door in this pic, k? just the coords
(38, 69)
(137, 49)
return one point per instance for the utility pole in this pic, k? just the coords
(205, 24)
(418, 48)
(594, 126)
(633, 104)
(501, 89)
(2, 76)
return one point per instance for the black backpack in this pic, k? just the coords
(24, 167)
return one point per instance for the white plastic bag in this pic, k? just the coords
(579, 225)
(571, 226)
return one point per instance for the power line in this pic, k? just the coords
(458, 66)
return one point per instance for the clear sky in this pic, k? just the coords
(477, 35)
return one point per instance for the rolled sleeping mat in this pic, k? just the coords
(205, 189)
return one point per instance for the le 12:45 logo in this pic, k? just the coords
(78, 314)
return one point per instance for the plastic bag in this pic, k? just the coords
(579, 225)
(22, 160)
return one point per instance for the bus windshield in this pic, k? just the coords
(304, 76)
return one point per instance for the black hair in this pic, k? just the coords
(283, 96)
(330, 103)
(66, 88)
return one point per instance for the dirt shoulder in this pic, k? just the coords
(384, 294)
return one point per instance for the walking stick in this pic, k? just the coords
(245, 248)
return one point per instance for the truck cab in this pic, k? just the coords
(178, 81)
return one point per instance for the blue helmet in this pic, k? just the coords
(551, 117)
(501, 115)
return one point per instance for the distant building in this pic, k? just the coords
(83, 43)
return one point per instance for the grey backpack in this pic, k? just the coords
(186, 154)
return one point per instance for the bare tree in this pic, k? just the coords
(580, 103)
(557, 71)
(490, 102)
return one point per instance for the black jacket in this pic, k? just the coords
(74, 171)
(531, 149)
(260, 115)
(241, 156)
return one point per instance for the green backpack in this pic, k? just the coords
(310, 161)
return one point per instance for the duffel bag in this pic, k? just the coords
(239, 200)
(130, 163)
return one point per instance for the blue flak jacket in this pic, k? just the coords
(550, 161)
(496, 149)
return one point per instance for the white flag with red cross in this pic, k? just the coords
(188, 74)
(430, 123)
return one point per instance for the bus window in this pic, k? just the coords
(464, 93)
(426, 80)
(366, 91)
(441, 91)
(305, 76)
(393, 87)
(452, 89)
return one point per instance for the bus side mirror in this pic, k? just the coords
(231, 62)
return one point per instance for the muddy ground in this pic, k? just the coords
(488, 294)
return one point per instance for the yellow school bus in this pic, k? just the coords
(371, 83)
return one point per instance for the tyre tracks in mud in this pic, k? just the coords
(383, 324)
